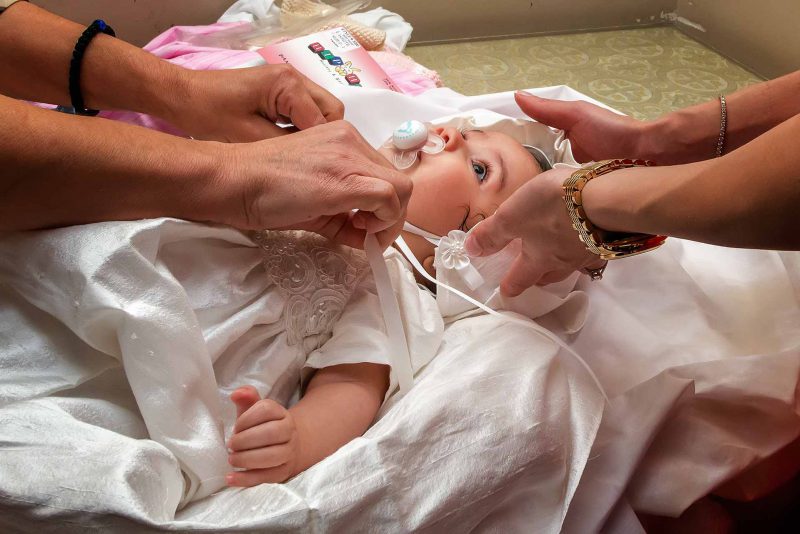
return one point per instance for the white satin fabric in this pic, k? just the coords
(121, 341)
(697, 346)
(191, 313)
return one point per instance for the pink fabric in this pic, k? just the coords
(408, 75)
(177, 45)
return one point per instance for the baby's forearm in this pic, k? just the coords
(339, 405)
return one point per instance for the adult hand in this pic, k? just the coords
(594, 132)
(312, 180)
(535, 213)
(242, 105)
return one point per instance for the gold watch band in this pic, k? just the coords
(607, 245)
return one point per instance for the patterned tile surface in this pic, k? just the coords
(642, 72)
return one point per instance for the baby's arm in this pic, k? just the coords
(274, 444)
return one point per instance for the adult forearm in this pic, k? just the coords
(58, 169)
(746, 199)
(691, 134)
(37, 49)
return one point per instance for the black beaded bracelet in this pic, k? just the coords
(86, 37)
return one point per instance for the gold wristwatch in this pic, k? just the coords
(607, 245)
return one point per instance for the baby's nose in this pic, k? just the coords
(451, 136)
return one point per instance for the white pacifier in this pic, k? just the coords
(409, 139)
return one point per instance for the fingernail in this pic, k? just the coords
(525, 93)
(472, 246)
(229, 479)
(510, 290)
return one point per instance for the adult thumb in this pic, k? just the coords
(556, 113)
(487, 237)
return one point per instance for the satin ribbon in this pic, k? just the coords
(404, 248)
(468, 272)
(399, 355)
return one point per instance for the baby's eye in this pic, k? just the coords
(480, 170)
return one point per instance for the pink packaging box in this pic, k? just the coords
(330, 58)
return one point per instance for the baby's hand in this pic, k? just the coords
(264, 440)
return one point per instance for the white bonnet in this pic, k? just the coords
(567, 305)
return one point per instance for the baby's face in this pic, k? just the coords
(468, 180)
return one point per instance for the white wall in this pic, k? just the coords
(762, 35)
(442, 20)
(138, 21)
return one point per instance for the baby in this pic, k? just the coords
(472, 174)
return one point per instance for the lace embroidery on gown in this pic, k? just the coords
(316, 276)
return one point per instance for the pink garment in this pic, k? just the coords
(177, 45)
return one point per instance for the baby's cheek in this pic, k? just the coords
(442, 193)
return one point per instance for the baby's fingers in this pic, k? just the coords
(272, 433)
(261, 412)
(262, 458)
(254, 477)
(244, 398)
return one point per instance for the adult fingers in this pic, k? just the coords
(339, 229)
(272, 433)
(523, 274)
(490, 236)
(554, 276)
(262, 457)
(256, 129)
(331, 107)
(379, 201)
(287, 96)
(254, 477)
(244, 397)
(346, 136)
(388, 236)
(296, 104)
(556, 113)
(262, 412)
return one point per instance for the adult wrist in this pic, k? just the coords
(236, 191)
(683, 136)
(603, 232)
(205, 193)
(165, 93)
(143, 83)
(656, 139)
(608, 203)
